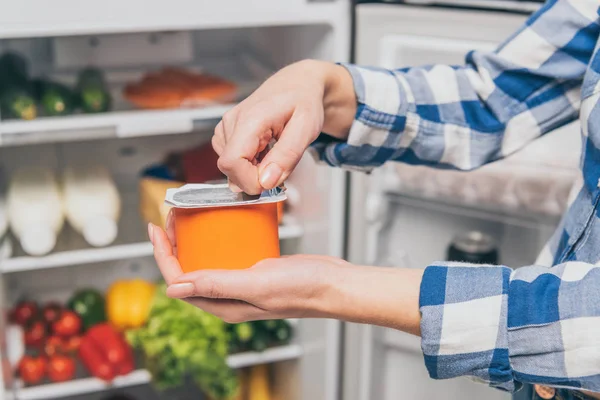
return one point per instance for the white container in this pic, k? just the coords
(92, 203)
(34, 207)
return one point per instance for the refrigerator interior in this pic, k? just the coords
(406, 216)
(126, 140)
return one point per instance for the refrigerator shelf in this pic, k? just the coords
(120, 124)
(141, 376)
(80, 256)
(124, 120)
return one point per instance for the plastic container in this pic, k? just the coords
(218, 229)
(34, 209)
(92, 203)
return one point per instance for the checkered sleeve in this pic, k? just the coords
(532, 325)
(465, 116)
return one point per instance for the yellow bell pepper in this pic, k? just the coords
(128, 303)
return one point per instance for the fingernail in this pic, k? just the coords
(270, 176)
(151, 232)
(181, 290)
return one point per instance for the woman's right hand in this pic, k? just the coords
(290, 109)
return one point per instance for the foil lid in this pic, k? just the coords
(219, 195)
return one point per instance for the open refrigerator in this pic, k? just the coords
(362, 218)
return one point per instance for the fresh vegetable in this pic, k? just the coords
(59, 345)
(258, 383)
(35, 332)
(258, 335)
(51, 312)
(71, 345)
(13, 68)
(54, 98)
(17, 102)
(61, 368)
(92, 91)
(89, 305)
(180, 339)
(105, 353)
(54, 345)
(16, 93)
(32, 369)
(68, 324)
(128, 303)
(24, 312)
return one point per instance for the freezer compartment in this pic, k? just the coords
(241, 57)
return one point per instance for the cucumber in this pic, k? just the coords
(17, 102)
(92, 91)
(54, 98)
(14, 70)
(16, 95)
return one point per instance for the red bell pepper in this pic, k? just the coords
(105, 353)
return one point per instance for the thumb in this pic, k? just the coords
(287, 152)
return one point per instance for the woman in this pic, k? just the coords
(535, 324)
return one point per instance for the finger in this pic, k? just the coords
(287, 152)
(170, 228)
(231, 311)
(249, 139)
(218, 139)
(233, 187)
(163, 253)
(217, 284)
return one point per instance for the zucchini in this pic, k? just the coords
(14, 70)
(55, 98)
(16, 95)
(92, 91)
(17, 102)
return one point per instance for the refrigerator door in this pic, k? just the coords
(381, 363)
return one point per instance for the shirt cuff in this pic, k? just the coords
(464, 323)
(375, 134)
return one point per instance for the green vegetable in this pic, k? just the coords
(180, 339)
(14, 70)
(54, 98)
(89, 305)
(92, 91)
(16, 93)
(17, 102)
(258, 335)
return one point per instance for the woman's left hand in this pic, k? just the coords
(301, 286)
(287, 287)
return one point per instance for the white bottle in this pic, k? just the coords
(92, 203)
(34, 207)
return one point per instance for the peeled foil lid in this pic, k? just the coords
(219, 195)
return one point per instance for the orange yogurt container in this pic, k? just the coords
(218, 229)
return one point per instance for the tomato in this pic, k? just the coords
(52, 312)
(72, 344)
(35, 332)
(69, 324)
(32, 369)
(61, 368)
(24, 312)
(54, 345)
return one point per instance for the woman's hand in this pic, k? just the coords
(290, 109)
(294, 287)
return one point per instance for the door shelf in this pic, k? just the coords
(141, 376)
(81, 256)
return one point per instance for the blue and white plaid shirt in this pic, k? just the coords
(534, 324)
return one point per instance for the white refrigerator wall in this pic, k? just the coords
(390, 228)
